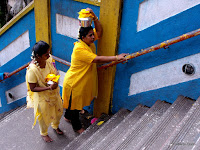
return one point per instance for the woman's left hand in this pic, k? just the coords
(54, 85)
(122, 56)
(91, 11)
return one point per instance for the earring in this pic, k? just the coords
(32, 55)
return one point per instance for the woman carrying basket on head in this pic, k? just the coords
(80, 83)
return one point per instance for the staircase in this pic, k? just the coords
(164, 126)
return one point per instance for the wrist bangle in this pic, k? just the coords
(95, 19)
(117, 58)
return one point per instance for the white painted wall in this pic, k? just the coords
(15, 48)
(18, 92)
(67, 26)
(153, 11)
(164, 75)
(62, 76)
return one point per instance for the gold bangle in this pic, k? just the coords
(95, 19)
(117, 58)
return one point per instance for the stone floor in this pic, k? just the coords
(16, 133)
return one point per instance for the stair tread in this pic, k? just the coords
(166, 125)
(118, 135)
(106, 129)
(93, 128)
(187, 133)
(145, 124)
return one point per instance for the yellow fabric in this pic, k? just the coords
(52, 77)
(81, 78)
(49, 101)
(84, 14)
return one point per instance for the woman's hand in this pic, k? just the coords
(97, 24)
(91, 11)
(53, 86)
(6, 75)
(121, 57)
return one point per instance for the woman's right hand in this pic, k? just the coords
(53, 86)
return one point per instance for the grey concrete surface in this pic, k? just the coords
(16, 133)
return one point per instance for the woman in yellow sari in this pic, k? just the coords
(45, 99)
(80, 82)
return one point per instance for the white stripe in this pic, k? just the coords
(14, 48)
(67, 26)
(153, 11)
(164, 75)
(62, 76)
(17, 92)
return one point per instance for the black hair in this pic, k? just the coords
(83, 31)
(40, 48)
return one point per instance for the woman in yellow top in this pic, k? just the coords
(80, 82)
(45, 100)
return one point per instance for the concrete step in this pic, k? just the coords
(98, 136)
(143, 126)
(187, 133)
(127, 126)
(159, 134)
(17, 133)
(196, 145)
(94, 127)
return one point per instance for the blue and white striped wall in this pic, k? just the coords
(17, 41)
(157, 75)
(64, 30)
(65, 26)
(145, 79)
(15, 50)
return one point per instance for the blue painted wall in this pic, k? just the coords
(62, 46)
(132, 41)
(25, 23)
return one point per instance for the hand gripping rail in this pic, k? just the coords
(153, 48)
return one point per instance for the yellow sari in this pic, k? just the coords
(81, 79)
(47, 104)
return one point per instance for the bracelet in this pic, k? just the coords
(117, 58)
(95, 19)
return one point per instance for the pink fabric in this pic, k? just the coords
(93, 120)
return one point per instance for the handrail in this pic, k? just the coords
(153, 48)
(26, 65)
(61, 61)
(130, 56)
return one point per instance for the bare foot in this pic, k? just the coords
(67, 120)
(80, 131)
(47, 139)
(58, 131)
